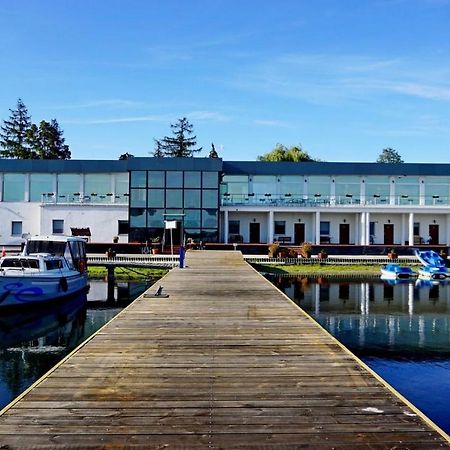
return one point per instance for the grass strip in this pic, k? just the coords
(317, 269)
(127, 273)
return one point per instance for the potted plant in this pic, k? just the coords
(283, 252)
(305, 250)
(155, 245)
(392, 254)
(115, 239)
(322, 254)
(273, 250)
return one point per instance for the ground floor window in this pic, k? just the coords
(234, 227)
(122, 227)
(324, 228)
(16, 228)
(58, 226)
(280, 227)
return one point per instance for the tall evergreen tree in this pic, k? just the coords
(47, 142)
(13, 136)
(182, 143)
(158, 152)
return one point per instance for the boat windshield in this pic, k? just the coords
(26, 263)
(51, 247)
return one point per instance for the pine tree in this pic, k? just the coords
(181, 144)
(158, 152)
(47, 142)
(13, 136)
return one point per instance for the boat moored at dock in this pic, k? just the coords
(49, 268)
(395, 271)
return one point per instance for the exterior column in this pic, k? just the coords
(447, 236)
(362, 228)
(391, 191)
(225, 226)
(27, 187)
(271, 227)
(411, 229)
(422, 192)
(317, 228)
(367, 230)
(1, 187)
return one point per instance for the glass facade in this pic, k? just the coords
(189, 197)
(13, 187)
(41, 184)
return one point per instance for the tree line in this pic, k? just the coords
(22, 139)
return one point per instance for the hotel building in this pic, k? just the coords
(227, 201)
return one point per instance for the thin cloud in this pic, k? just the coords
(272, 123)
(193, 115)
(330, 79)
(108, 103)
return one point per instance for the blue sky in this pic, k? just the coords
(343, 78)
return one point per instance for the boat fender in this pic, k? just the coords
(63, 284)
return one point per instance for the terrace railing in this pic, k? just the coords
(319, 200)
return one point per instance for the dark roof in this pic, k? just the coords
(332, 168)
(108, 166)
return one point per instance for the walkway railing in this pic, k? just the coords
(341, 259)
(134, 260)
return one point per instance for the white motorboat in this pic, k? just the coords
(49, 268)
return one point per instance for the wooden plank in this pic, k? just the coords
(226, 361)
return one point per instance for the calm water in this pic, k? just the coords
(31, 343)
(401, 330)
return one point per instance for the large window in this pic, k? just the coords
(68, 184)
(155, 195)
(155, 198)
(138, 198)
(40, 184)
(138, 179)
(291, 184)
(209, 198)
(264, 184)
(437, 190)
(377, 189)
(347, 187)
(407, 190)
(319, 186)
(13, 187)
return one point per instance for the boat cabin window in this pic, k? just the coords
(53, 264)
(50, 247)
(25, 263)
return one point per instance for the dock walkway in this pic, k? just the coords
(226, 361)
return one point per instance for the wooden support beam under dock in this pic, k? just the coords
(226, 361)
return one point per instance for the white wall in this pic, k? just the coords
(27, 213)
(102, 220)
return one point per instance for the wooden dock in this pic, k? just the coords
(226, 361)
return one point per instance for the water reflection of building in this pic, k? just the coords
(373, 315)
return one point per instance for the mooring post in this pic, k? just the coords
(111, 279)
